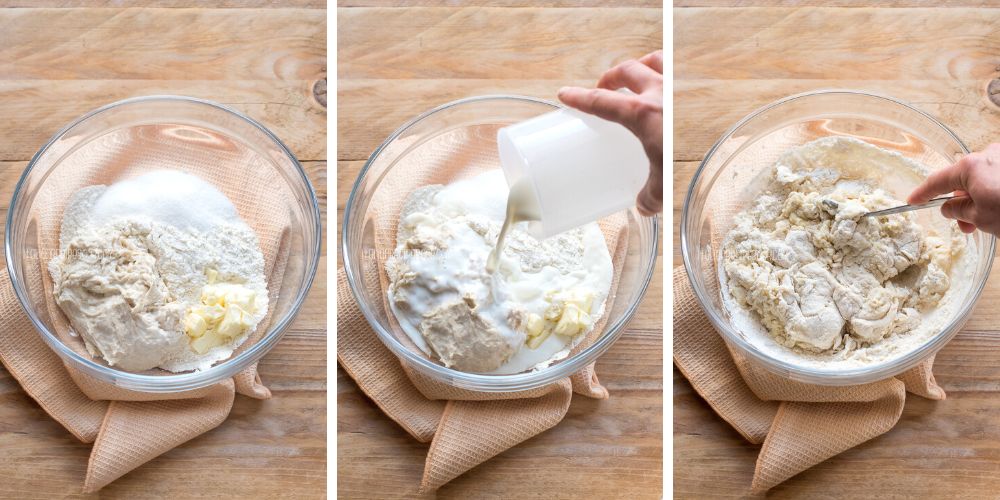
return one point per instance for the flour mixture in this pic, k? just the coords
(824, 282)
(542, 298)
(159, 271)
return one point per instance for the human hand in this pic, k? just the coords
(976, 175)
(641, 113)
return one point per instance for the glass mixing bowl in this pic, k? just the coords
(123, 139)
(462, 132)
(750, 148)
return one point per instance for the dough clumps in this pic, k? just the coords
(823, 278)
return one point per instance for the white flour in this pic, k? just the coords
(116, 249)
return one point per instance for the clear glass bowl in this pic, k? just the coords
(752, 145)
(465, 131)
(183, 133)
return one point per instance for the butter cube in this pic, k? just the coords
(224, 294)
(211, 314)
(232, 323)
(245, 298)
(213, 295)
(572, 322)
(195, 325)
(202, 344)
(534, 325)
(534, 342)
(553, 312)
(224, 314)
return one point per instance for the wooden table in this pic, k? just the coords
(729, 61)
(394, 63)
(56, 64)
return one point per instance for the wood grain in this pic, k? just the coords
(163, 44)
(718, 103)
(58, 64)
(395, 63)
(425, 58)
(286, 108)
(961, 44)
(728, 62)
(544, 43)
(501, 3)
(835, 3)
(186, 4)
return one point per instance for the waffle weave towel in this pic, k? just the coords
(799, 424)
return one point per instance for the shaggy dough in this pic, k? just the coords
(821, 277)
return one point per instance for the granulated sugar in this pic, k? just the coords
(169, 197)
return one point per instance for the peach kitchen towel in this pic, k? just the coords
(799, 424)
(126, 434)
(464, 428)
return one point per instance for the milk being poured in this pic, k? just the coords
(521, 207)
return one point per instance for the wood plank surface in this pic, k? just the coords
(718, 104)
(58, 64)
(386, 80)
(729, 61)
(656, 4)
(184, 4)
(959, 47)
(395, 63)
(287, 108)
(834, 3)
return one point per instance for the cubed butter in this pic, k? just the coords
(534, 325)
(226, 312)
(195, 325)
(572, 322)
(233, 323)
(212, 314)
(537, 340)
(243, 297)
(202, 344)
(223, 294)
(213, 295)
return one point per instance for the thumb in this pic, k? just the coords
(962, 209)
(941, 182)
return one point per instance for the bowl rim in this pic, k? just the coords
(473, 381)
(846, 376)
(184, 381)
